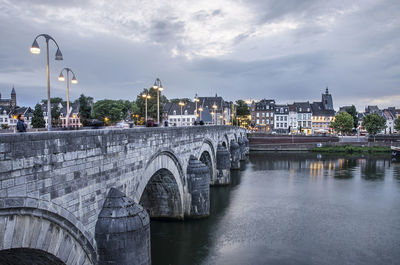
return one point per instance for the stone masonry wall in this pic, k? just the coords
(75, 169)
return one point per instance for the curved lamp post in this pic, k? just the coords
(36, 50)
(146, 96)
(158, 86)
(73, 81)
(181, 104)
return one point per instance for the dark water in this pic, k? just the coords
(293, 209)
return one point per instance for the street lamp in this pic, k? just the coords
(158, 86)
(36, 50)
(200, 110)
(196, 100)
(146, 96)
(73, 81)
(181, 104)
(215, 112)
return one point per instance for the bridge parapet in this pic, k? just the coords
(76, 169)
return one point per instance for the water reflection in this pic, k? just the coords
(189, 242)
(284, 208)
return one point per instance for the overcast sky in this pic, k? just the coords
(288, 50)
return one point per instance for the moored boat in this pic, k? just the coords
(395, 151)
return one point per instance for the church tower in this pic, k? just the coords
(327, 101)
(13, 101)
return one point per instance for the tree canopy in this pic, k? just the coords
(397, 124)
(38, 119)
(85, 109)
(373, 123)
(343, 122)
(242, 108)
(353, 112)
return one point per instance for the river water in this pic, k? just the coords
(293, 209)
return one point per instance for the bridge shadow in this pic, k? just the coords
(189, 242)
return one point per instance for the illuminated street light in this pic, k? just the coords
(146, 96)
(200, 110)
(36, 50)
(73, 81)
(181, 104)
(196, 100)
(215, 112)
(158, 86)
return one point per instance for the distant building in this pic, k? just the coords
(262, 115)
(323, 114)
(221, 113)
(292, 118)
(304, 120)
(9, 103)
(281, 118)
(74, 120)
(390, 118)
(172, 113)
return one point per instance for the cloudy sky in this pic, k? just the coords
(288, 50)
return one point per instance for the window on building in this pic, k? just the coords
(309, 124)
(285, 124)
(285, 118)
(263, 121)
(267, 122)
(258, 121)
(299, 123)
(257, 114)
(263, 114)
(174, 112)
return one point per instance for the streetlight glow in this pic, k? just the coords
(35, 47)
(61, 77)
(74, 80)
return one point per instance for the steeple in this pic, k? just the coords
(326, 91)
(13, 98)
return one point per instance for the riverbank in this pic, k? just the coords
(351, 149)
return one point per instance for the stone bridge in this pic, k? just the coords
(55, 185)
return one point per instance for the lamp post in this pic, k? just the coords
(146, 96)
(215, 112)
(196, 100)
(181, 104)
(200, 110)
(73, 81)
(158, 86)
(36, 50)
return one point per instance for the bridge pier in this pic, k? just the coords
(122, 232)
(198, 178)
(246, 144)
(235, 155)
(223, 166)
(242, 149)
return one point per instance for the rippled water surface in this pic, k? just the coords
(293, 209)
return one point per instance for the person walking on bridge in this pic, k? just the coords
(21, 126)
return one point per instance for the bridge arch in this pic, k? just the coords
(207, 155)
(40, 232)
(161, 190)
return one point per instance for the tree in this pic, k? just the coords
(353, 112)
(343, 122)
(374, 123)
(242, 108)
(38, 119)
(397, 124)
(55, 114)
(85, 109)
(109, 111)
